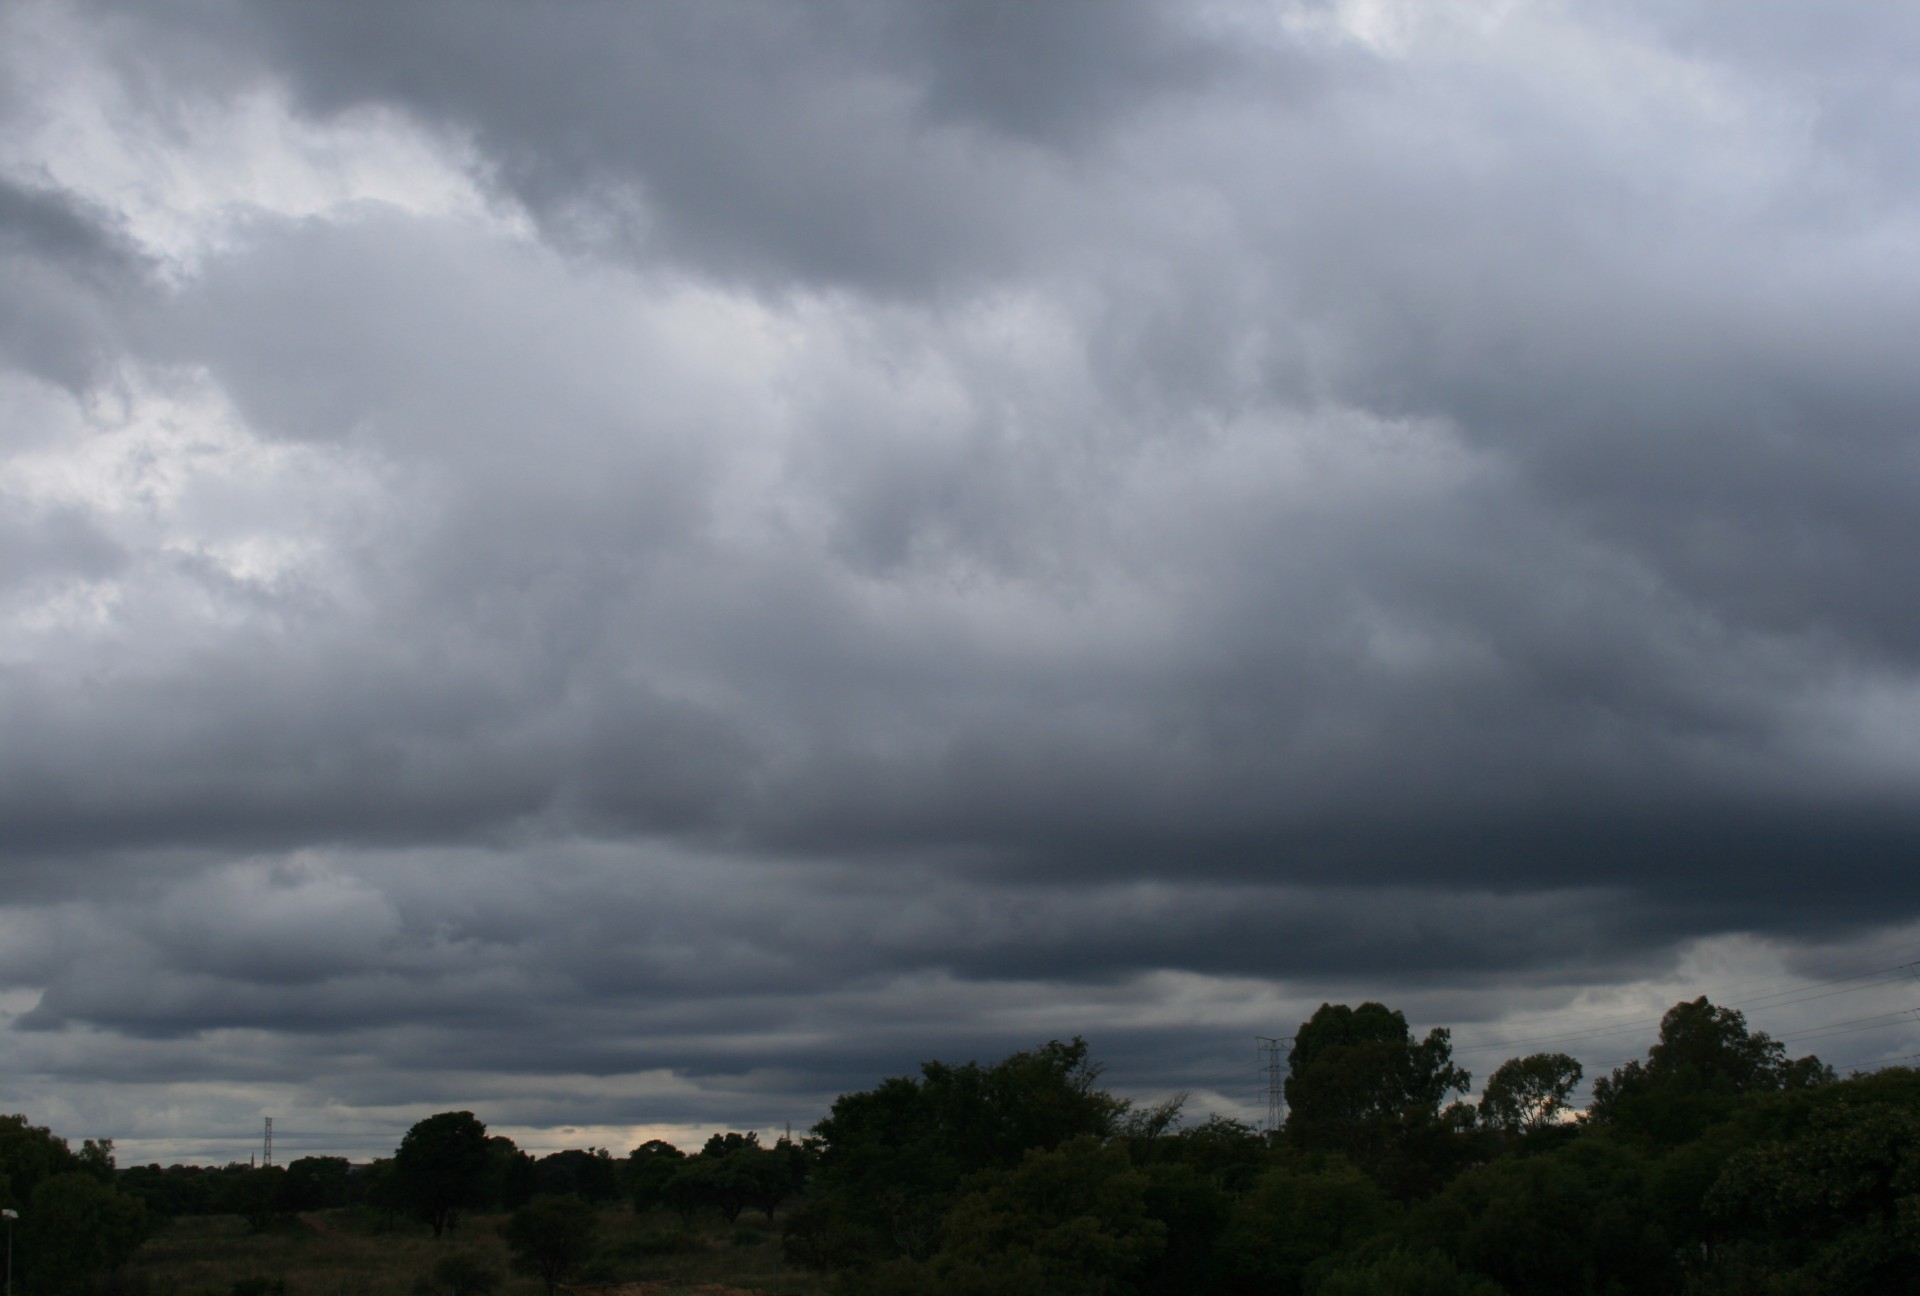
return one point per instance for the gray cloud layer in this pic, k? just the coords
(778, 540)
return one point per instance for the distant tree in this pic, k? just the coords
(376, 1187)
(719, 1183)
(892, 1157)
(316, 1183)
(691, 1189)
(176, 1190)
(1361, 1086)
(511, 1174)
(550, 1238)
(734, 1172)
(1529, 1093)
(96, 1158)
(590, 1174)
(441, 1168)
(1231, 1151)
(257, 1194)
(149, 1184)
(647, 1171)
(778, 1173)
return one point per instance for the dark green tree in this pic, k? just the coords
(1705, 1061)
(1230, 1151)
(1192, 1207)
(892, 1157)
(1832, 1208)
(96, 1158)
(1582, 1219)
(693, 1188)
(728, 1182)
(74, 1229)
(1360, 1085)
(1296, 1215)
(441, 1168)
(28, 1154)
(1072, 1221)
(550, 1238)
(740, 1173)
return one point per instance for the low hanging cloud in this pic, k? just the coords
(649, 565)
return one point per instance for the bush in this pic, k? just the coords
(551, 1238)
(660, 1244)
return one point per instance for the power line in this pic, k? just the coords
(1788, 997)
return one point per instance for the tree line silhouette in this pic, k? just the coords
(1714, 1165)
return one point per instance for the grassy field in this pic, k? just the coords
(340, 1253)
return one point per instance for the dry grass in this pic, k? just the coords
(336, 1253)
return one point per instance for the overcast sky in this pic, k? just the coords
(634, 567)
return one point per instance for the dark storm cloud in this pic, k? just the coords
(43, 222)
(896, 530)
(1540, 703)
(65, 272)
(611, 965)
(830, 144)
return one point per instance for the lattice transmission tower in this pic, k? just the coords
(1275, 1053)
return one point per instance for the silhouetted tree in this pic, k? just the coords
(1361, 1086)
(1582, 1219)
(647, 1171)
(1070, 1221)
(1296, 1215)
(316, 1183)
(511, 1174)
(441, 1167)
(590, 1174)
(28, 1154)
(74, 1229)
(893, 1156)
(1529, 1093)
(257, 1194)
(1706, 1058)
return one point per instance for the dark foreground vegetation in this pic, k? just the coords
(1713, 1166)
